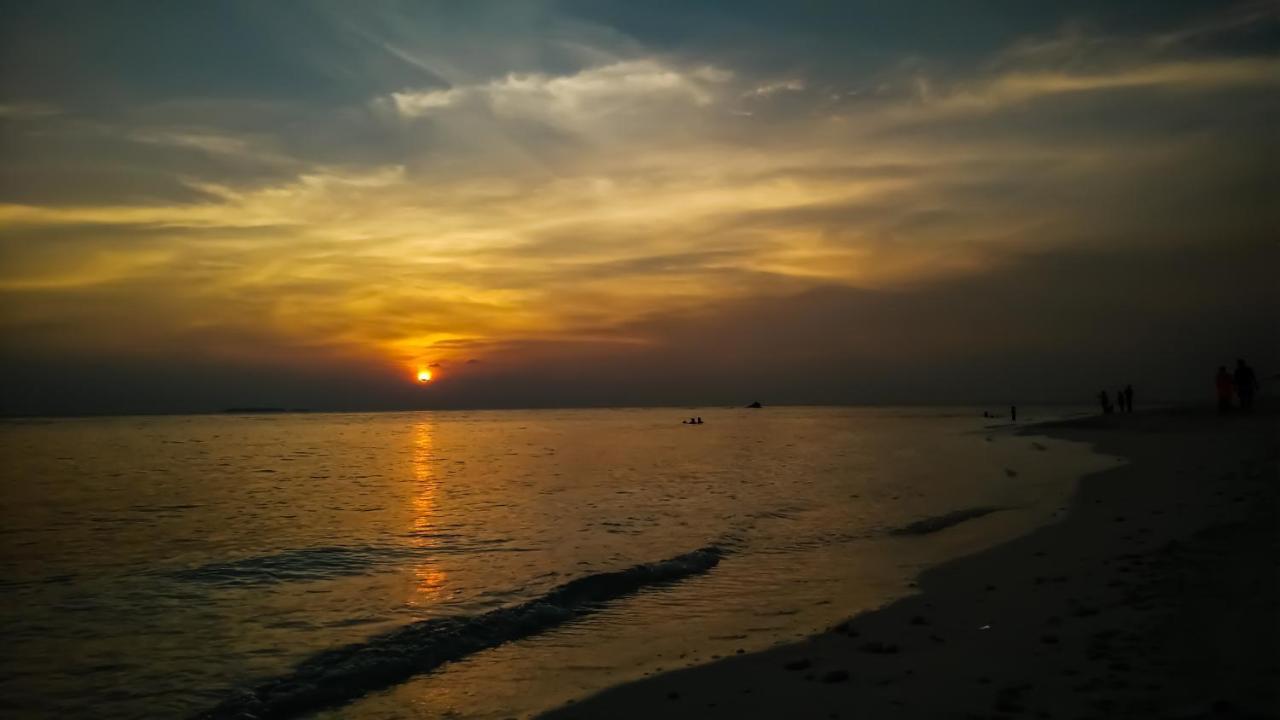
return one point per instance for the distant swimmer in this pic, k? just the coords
(698, 420)
(755, 404)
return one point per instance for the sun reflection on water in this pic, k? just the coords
(429, 578)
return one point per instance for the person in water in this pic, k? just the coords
(1246, 383)
(1224, 385)
(1128, 398)
(1105, 402)
(1013, 413)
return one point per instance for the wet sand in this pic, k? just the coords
(1154, 596)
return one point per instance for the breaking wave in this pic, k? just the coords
(942, 522)
(338, 676)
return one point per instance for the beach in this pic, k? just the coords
(1154, 595)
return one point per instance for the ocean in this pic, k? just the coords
(484, 564)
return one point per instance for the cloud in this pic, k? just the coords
(27, 110)
(1145, 318)
(773, 88)
(581, 204)
(417, 104)
(592, 95)
(1016, 87)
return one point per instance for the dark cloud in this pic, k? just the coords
(1051, 327)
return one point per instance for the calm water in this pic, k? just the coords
(162, 566)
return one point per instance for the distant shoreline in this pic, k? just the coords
(1028, 422)
(263, 410)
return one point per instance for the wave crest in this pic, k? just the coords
(338, 676)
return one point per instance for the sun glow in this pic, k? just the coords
(424, 376)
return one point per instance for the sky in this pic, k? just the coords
(304, 204)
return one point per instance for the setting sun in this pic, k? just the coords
(424, 376)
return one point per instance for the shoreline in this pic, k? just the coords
(1155, 596)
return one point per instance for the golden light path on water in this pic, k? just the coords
(430, 579)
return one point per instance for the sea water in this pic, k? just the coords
(470, 564)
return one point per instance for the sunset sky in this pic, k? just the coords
(612, 202)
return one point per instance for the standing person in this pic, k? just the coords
(1128, 398)
(1223, 381)
(1106, 404)
(1013, 413)
(1246, 385)
(1120, 400)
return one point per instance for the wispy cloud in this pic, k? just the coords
(592, 93)
(27, 110)
(773, 88)
(1014, 87)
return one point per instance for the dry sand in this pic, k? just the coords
(1156, 596)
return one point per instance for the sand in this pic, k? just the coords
(1154, 596)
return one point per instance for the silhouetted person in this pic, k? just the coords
(1246, 385)
(1224, 383)
(1105, 402)
(1128, 398)
(1013, 413)
(698, 420)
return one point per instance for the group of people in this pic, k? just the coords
(1124, 401)
(692, 421)
(1243, 383)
